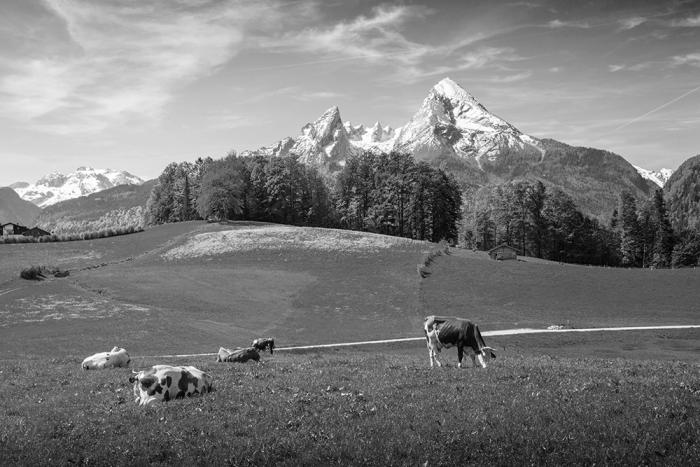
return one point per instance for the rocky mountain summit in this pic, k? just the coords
(450, 122)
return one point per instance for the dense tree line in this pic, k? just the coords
(546, 223)
(537, 222)
(395, 195)
(387, 193)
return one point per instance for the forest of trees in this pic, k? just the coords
(394, 194)
(386, 193)
(546, 223)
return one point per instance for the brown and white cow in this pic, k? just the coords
(264, 343)
(117, 357)
(445, 332)
(238, 355)
(165, 382)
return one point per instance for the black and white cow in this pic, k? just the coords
(264, 343)
(117, 357)
(445, 332)
(165, 382)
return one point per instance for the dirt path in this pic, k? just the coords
(502, 332)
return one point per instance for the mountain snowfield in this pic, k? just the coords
(56, 187)
(660, 177)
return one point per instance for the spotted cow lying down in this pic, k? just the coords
(114, 358)
(238, 355)
(165, 382)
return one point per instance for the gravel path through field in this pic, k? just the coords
(502, 332)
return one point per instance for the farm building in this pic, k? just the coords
(12, 229)
(35, 232)
(503, 251)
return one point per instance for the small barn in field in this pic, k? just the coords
(35, 232)
(503, 252)
(12, 229)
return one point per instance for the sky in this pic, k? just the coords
(134, 85)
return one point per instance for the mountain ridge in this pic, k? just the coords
(56, 186)
(453, 129)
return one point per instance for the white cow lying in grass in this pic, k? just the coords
(116, 357)
(165, 382)
(238, 355)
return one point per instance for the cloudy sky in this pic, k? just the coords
(137, 84)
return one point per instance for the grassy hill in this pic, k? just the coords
(192, 287)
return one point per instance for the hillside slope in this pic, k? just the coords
(682, 193)
(121, 206)
(15, 209)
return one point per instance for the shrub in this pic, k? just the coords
(39, 273)
(33, 273)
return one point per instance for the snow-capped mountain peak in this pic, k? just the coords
(454, 92)
(450, 121)
(660, 177)
(55, 187)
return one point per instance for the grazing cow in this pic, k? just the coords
(165, 382)
(238, 355)
(114, 358)
(264, 343)
(444, 332)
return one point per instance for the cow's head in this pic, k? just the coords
(488, 353)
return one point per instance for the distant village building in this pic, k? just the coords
(35, 232)
(502, 252)
(12, 229)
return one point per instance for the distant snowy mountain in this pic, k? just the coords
(56, 187)
(660, 177)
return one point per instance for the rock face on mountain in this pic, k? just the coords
(453, 130)
(451, 121)
(56, 187)
(682, 194)
(15, 209)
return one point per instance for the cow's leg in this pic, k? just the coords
(460, 355)
(430, 352)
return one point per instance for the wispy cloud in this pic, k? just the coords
(373, 38)
(688, 59)
(558, 24)
(127, 60)
(689, 22)
(636, 67)
(631, 23)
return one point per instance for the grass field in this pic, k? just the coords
(631, 398)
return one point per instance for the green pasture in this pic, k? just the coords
(605, 397)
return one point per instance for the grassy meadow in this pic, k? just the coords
(606, 397)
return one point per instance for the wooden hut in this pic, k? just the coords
(12, 229)
(35, 232)
(503, 252)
